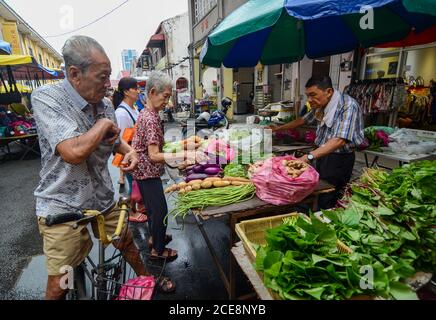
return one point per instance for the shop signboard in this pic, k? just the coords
(11, 35)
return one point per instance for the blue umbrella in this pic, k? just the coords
(284, 31)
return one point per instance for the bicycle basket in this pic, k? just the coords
(127, 285)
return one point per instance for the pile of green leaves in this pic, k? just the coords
(388, 220)
(173, 147)
(235, 170)
(301, 261)
(406, 203)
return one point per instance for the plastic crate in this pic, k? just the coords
(253, 231)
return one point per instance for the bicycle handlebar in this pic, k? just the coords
(52, 220)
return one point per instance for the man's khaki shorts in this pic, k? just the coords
(65, 246)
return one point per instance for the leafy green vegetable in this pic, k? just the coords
(387, 220)
(235, 170)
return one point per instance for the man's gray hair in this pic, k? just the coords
(77, 51)
(158, 80)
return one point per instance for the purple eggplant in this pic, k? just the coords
(211, 165)
(212, 170)
(196, 176)
(198, 168)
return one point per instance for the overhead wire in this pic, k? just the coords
(90, 23)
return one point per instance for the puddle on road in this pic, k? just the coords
(33, 280)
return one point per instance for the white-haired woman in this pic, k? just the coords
(148, 143)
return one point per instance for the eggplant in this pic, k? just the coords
(211, 165)
(189, 172)
(196, 176)
(198, 168)
(212, 170)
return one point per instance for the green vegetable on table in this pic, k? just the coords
(302, 261)
(203, 198)
(388, 220)
(235, 170)
(173, 147)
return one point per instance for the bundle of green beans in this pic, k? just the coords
(200, 199)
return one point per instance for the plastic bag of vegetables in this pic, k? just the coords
(281, 180)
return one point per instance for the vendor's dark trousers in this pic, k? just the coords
(336, 169)
(154, 200)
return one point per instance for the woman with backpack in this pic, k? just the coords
(124, 99)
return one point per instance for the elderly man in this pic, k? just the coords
(340, 131)
(78, 133)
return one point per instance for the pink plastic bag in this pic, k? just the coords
(275, 186)
(136, 194)
(219, 147)
(140, 288)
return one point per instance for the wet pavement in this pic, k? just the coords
(19, 239)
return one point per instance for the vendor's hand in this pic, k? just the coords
(304, 159)
(274, 127)
(130, 161)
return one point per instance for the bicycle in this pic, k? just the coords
(112, 278)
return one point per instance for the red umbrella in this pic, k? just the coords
(413, 39)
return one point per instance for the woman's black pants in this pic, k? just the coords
(154, 200)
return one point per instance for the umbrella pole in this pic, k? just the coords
(298, 101)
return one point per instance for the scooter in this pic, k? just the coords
(216, 120)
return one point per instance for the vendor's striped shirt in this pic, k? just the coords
(348, 125)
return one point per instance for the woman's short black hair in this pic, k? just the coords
(125, 83)
(323, 82)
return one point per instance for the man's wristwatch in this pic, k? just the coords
(310, 157)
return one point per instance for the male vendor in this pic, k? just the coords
(340, 130)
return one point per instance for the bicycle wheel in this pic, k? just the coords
(79, 288)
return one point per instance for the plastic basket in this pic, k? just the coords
(252, 232)
(127, 285)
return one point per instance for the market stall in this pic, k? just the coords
(238, 183)
(16, 123)
(381, 225)
(402, 145)
(254, 33)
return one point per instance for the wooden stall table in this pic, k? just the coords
(253, 276)
(250, 209)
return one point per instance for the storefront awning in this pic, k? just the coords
(5, 47)
(156, 41)
(25, 67)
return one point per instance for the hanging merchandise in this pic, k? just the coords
(418, 107)
(381, 95)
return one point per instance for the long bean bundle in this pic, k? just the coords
(203, 198)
